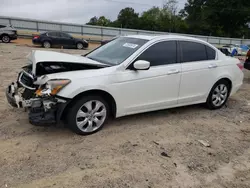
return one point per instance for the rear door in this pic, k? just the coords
(55, 38)
(199, 71)
(67, 40)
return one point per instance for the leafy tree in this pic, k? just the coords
(195, 17)
(217, 17)
(102, 21)
(150, 20)
(128, 18)
(228, 18)
(93, 21)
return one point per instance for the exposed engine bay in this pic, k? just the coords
(28, 80)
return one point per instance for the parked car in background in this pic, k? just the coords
(57, 38)
(244, 48)
(225, 51)
(129, 75)
(231, 48)
(7, 33)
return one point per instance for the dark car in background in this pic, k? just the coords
(225, 51)
(57, 38)
(7, 33)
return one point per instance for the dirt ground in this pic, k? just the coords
(128, 151)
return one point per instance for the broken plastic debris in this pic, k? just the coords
(204, 143)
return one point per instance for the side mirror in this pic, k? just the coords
(141, 65)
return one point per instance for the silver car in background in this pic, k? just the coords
(7, 33)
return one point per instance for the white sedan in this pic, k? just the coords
(129, 75)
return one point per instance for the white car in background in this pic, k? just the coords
(129, 75)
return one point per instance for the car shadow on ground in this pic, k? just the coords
(127, 120)
(172, 116)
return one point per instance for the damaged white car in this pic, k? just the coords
(129, 75)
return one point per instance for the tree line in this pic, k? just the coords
(224, 18)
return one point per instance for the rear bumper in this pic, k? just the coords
(235, 88)
(36, 42)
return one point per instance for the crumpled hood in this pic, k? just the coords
(37, 56)
(77, 75)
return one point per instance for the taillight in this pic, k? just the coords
(35, 37)
(240, 65)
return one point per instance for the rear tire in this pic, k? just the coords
(46, 44)
(218, 95)
(88, 115)
(5, 39)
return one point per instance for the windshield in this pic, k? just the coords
(116, 51)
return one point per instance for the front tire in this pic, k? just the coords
(79, 46)
(5, 39)
(88, 115)
(218, 95)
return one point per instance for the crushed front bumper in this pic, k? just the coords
(42, 111)
(10, 96)
(39, 115)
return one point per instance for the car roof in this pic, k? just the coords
(167, 36)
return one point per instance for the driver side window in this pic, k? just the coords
(162, 53)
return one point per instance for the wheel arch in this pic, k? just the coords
(4, 34)
(106, 96)
(46, 39)
(228, 80)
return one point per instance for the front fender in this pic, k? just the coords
(71, 91)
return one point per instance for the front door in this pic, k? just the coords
(153, 89)
(67, 40)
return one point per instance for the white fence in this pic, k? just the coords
(101, 32)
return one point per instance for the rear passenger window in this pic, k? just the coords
(54, 34)
(210, 53)
(162, 53)
(192, 51)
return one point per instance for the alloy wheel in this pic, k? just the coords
(79, 46)
(91, 116)
(46, 44)
(6, 39)
(219, 95)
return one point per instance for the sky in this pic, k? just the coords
(74, 11)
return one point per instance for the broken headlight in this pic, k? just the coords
(52, 87)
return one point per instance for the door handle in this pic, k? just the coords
(174, 71)
(212, 66)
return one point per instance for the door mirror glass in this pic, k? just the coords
(142, 65)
